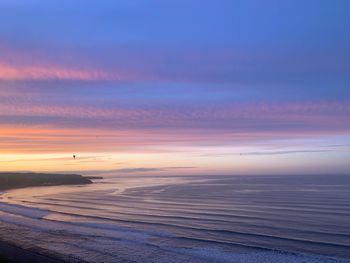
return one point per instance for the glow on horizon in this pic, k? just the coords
(196, 160)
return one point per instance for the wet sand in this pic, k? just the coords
(11, 253)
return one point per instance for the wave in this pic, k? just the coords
(282, 224)
(24, 211)
(189, 219)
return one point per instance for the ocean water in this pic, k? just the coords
(185, 219)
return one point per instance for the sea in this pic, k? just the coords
(300, 218)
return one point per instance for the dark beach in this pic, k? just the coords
(13, 253)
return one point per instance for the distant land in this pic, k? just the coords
(20, 180)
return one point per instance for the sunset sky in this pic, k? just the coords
(175, 87)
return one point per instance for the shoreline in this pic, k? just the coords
(12, 253)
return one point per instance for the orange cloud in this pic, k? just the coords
(50, 139)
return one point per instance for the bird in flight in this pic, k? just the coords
(74, 156)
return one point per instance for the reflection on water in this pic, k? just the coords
(194, 219)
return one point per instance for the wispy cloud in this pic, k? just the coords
(235, 117)
(282, 152)
(39, 72)
(132, 170)
(29, 126)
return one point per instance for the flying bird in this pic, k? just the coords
(74, 156)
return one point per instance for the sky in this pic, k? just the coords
(175, 87)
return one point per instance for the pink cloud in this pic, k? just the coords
(16, 64)
(38, 72)
(140, 129)
(242, 116)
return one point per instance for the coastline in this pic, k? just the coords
(13, 253)
(21, 180)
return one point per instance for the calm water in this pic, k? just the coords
(186, 219)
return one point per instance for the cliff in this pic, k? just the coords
(20, 180)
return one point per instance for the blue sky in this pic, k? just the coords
(164, 83)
